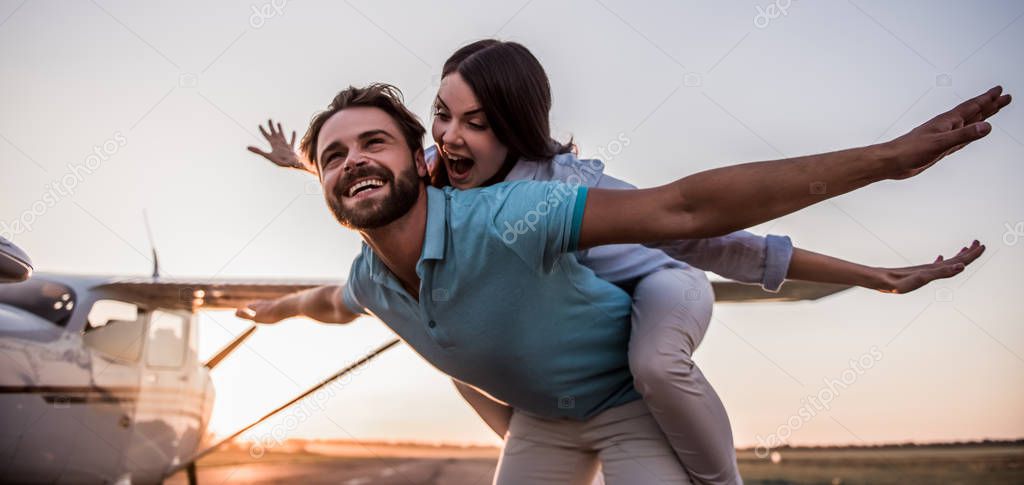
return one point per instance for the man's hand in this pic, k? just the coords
(268, 311)
(944, 134)
(282, 152)
(905, 280)
(323, 304)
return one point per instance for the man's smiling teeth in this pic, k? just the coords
(371, 183)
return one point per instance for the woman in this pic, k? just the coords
(491, 125)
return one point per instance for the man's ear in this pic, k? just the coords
(421, 163)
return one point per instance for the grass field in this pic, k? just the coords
(997, 464)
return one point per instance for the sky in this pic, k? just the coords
(131, 106)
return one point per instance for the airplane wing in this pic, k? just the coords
(199, 293)
(792, 290)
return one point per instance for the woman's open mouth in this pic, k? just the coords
(459, 168)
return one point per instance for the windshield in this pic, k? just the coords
(45, 299)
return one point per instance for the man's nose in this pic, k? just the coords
(353, 162)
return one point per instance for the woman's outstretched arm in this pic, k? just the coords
(811, 266)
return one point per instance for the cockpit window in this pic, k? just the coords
(106, 311)
(45, 299)
(166, 345)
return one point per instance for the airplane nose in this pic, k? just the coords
(14, 263)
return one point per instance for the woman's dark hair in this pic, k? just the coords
(515, 94)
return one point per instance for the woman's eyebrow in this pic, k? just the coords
(470, 112)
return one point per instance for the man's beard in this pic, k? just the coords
(371, 214)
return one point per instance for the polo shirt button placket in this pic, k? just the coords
(432, 324)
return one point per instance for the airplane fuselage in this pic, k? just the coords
(88, 400)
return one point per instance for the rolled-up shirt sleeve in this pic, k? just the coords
(778, 255)
(741, 256)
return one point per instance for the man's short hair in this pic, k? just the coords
(377, 95)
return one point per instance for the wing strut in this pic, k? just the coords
(229, 348)
(351, 367)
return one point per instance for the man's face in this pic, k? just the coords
(361, 150)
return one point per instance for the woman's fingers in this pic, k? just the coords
(913, 277)
(258, 151)
(969, 255)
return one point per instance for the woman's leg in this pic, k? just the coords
(671, 312)
(540, 451)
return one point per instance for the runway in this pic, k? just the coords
(349, 471)
(997, 463)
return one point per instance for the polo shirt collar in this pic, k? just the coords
(434, 238)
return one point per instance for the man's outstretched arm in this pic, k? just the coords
(325, 304)
(723, 200)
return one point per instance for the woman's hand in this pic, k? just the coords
(905, 280)
(942, 135)
(282, 152)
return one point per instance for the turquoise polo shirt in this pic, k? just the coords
(504, 305)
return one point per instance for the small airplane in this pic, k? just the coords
(101, 380)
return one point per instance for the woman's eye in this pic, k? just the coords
(442, 115)
(374, 142)
(477, 126)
